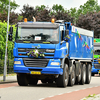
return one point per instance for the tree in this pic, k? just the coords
(57, 8)
(3, 32)
(73, 13)
(40, 8)
(43, 15)
(13, 19)
(4, 5)
(90, 21)
(28, 12)
(89, 6)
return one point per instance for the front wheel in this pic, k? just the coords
(22, 79)
(33, 81)
(62, 80)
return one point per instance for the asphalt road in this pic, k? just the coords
(14, 92)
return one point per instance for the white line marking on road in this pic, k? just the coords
(61, 94)
(51, 96)
(41, 98)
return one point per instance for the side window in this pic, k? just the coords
(62, 32)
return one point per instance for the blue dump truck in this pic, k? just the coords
(96, 61)
(53, 52)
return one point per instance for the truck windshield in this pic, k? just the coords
(37, 35)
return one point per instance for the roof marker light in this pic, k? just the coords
(52, 20)
(25, 19)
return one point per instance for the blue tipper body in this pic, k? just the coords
(79, 47)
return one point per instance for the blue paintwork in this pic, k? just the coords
(75, 50)
(50, 69)
(94, 70)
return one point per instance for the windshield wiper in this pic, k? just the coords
(49, 42)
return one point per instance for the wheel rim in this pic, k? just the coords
(84, 73)
(79, 74)
(89, 72)
(73, 75)
(66, 75)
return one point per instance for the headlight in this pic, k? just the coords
(55, 63)
(17, 62)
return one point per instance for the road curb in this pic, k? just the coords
(4, 82)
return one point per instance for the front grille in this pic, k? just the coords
(27, 49)
(97, 66)
(30, 49)
(45, 51)
(29, 62)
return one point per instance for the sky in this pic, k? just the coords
(67, 4)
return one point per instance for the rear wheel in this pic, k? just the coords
(62, 80)
(72, 76)
(78, 78)
(22, 79)
(88, 74)
(83, 75)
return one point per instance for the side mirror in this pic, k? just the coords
(11, 30)
(66, 38)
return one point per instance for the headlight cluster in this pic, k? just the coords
(17, 62)
(55, 63)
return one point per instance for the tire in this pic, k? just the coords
(50, 81)
(72, 76)
(78, 78)
(83, 75)
(33, 81)
(62, 80)
(88, 74)
(22, 80)
(92, 74)
(44, 81)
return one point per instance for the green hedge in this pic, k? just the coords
(10, 63)
(3, 33)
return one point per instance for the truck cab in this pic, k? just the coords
(96, 61)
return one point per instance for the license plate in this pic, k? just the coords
(99, 71)
(35, 72)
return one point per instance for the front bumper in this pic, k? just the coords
(49, 69)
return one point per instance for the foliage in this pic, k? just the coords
(90, 21)
(40, 8)
(28, 12)
(13, 19)
(57, 8)
(10, 64)
(4, 5)
(3, 32)
(43, 16)
(88, 7)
